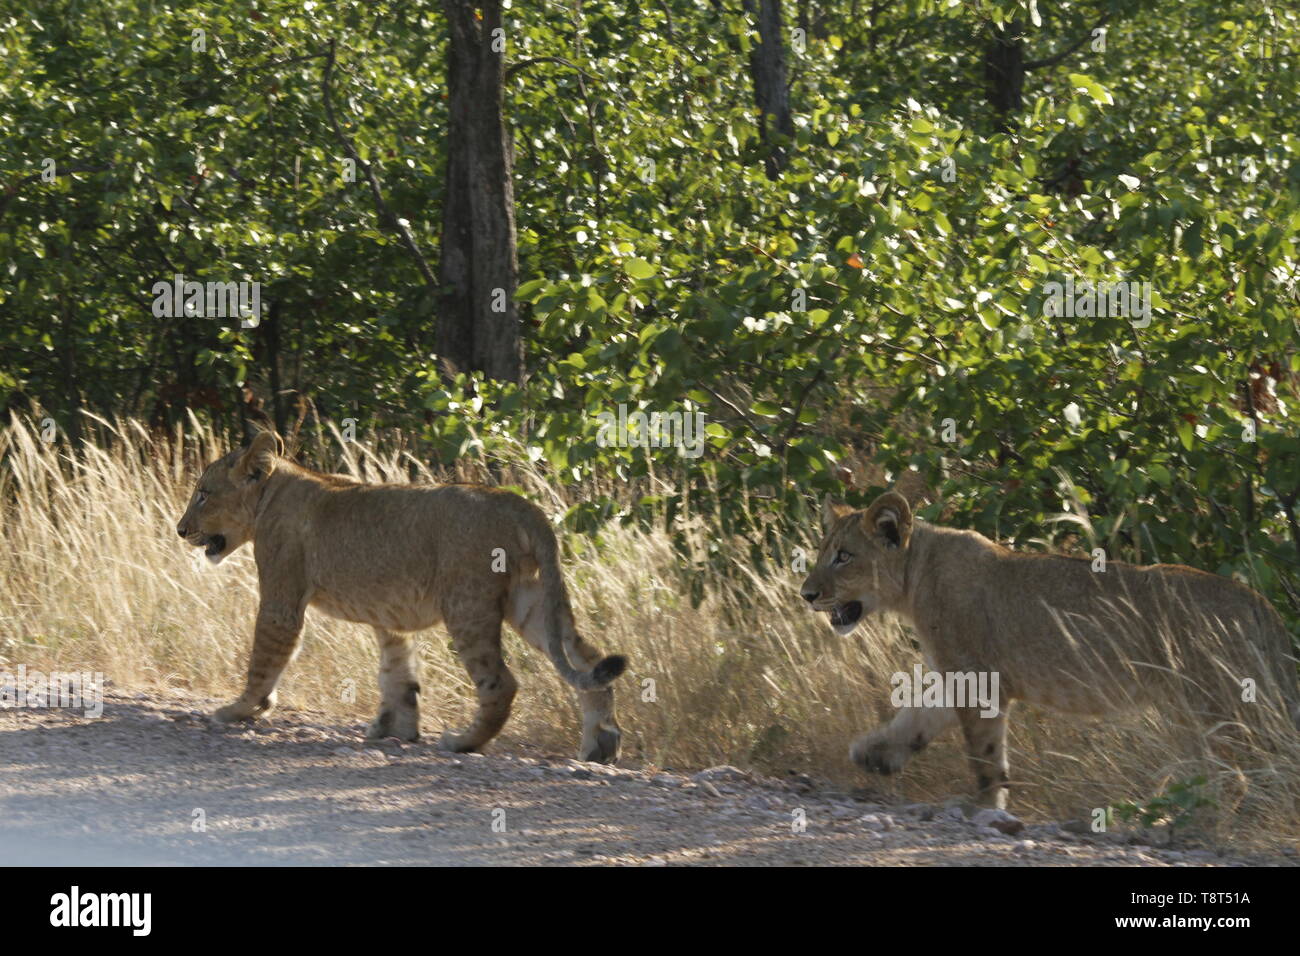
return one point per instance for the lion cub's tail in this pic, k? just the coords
(562, 641)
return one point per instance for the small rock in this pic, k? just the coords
(865, 795)
(721, 774)
(800, 781)
(999, 820)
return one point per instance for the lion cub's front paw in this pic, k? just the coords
(876, 752)
(457, 743)
(602, 746)
(404, 724)
(243, 710)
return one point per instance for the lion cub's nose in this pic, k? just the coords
(180, 530)
(810, 595)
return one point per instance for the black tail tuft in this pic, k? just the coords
(609, 668)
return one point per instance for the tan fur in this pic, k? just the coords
(400, 558)
(1056, 631)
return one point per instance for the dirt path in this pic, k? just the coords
(132, 786)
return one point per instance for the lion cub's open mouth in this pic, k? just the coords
(845, 616)
(216, 543)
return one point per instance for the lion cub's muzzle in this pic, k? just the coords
(846, 615)
(212, 544)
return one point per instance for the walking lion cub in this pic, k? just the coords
(400, 558)
(1049, 630)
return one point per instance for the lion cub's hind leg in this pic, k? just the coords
(986, 746)
(399, 690)
(477, 640)
(601, 735)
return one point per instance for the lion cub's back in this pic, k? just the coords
(369, 547)
(1092, 640)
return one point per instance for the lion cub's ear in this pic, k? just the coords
(259, 461)
(890, 517)
(832, 510)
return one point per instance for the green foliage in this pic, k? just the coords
(892, 281)
(1176, 806)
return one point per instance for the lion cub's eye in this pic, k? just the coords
(843, 557)
(203, 496)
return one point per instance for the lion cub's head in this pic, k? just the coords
(220, 515)
(860, 565)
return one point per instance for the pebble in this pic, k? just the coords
(998, 820)
(740, 803)
(724, 772)
(922, 811)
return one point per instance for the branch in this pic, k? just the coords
(522, 65)
(1058, 57)
(798, 408)
(386, 214)
(739, 412)
(13, 188)
(1288, 504)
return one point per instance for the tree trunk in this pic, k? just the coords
(270, 328)
(71, 374)
(478, 324)
(1004, 71)
(771, 94)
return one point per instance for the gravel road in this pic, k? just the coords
(154, 781)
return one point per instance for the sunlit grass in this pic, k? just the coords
(93, 576)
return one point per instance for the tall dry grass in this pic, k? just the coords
(93, 576)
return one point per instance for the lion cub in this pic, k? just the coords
(400, 558)
(1047, 629)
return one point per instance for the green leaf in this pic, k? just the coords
(639, 269)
